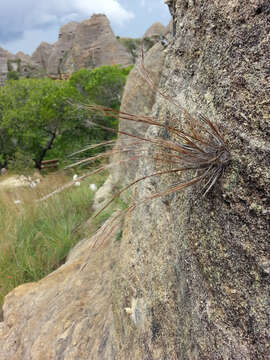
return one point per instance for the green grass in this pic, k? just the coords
(35, 237)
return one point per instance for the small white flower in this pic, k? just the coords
(75, 177)
(77, 183)
(93, 187)
(37, 181)
(32, 184)
(16, 202)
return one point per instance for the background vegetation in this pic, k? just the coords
(133, 46)
(35, 237)
(42, 119)
(38, 122)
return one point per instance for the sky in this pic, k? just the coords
(24, 24)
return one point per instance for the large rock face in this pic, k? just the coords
(191, 275)
(138, 99)
(88, 44)
(42, 54)
(96, 45)
(155, 31)
(58, 63)
(195, 271)
(3, 65)
(58, 60)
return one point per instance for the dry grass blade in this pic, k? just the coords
(139, 180)
(202, 149)
(94, 146)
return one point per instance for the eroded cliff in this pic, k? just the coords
(190, 278)
(195, 271)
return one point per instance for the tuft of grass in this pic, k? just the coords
(198, 150)
(196, 147)
(35, 237)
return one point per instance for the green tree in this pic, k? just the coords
(12, 75)
(103, 85)
(40, 118)
(33, 113)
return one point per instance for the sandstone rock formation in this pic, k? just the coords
(153, 35)
(41, 55)
(8, 62)
(3, 65)
(27, 67)
(88, 44)
(191, 277)
(138, 98)
(58, 60)
(95, 44)
(20, 63)
(155, 31)
(196, 270)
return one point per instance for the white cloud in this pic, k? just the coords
(31, 39)
(16, 19)
(111, 8)
(23, 27)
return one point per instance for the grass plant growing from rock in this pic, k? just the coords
(197, 148)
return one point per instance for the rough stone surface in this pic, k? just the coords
(194, 271)
(3, 65)
(191, 277)
(138, 98)
(41, 55)
(58, 63)
(155, 30)
(66, 315)
(95, 44)
(88, 44)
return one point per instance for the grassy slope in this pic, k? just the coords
(36, 237)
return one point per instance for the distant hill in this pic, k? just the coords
(87, 44)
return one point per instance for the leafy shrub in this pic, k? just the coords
(12, 75)
(21, 162)
(38, 120)
(103, 85)
(132, 45)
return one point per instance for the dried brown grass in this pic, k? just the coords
(199, 150)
